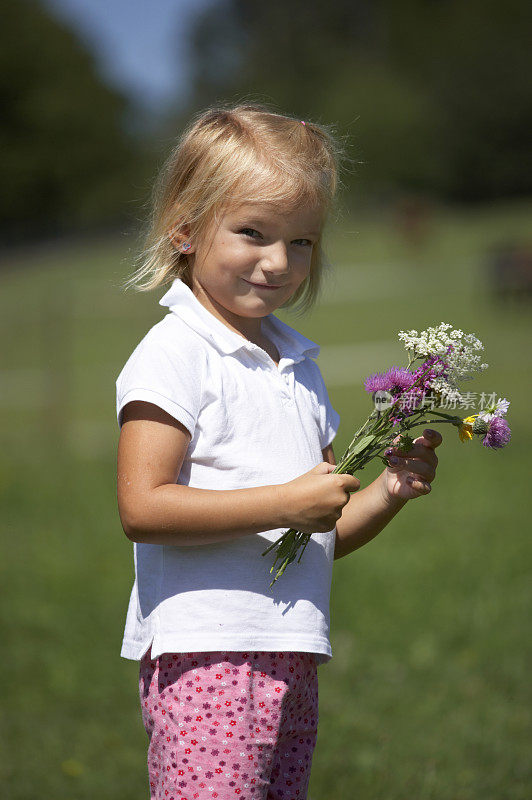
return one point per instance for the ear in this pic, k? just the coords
(179, 236)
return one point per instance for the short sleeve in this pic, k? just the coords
(165, 374)
(329, 418)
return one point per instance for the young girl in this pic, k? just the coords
(225, 442)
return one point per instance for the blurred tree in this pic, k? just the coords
(67, 162)
(475, 60)
(434, 93)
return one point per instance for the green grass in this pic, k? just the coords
(428, 693)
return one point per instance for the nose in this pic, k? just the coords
(275, 259)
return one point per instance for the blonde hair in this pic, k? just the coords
(233, 155)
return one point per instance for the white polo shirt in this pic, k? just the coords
(252, 423)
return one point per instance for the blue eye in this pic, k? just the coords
(252, 233)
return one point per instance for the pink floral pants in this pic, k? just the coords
(229, 724)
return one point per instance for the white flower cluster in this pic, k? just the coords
(462, 362)
(498, 409)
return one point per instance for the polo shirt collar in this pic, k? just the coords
(182, 301)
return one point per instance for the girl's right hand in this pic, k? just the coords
(314, 500)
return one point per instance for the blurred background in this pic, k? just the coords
(427, 695)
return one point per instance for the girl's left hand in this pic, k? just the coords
(412, 476)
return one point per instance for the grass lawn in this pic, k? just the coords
(428, 692)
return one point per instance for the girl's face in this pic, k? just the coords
(253, 261)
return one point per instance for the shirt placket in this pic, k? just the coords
(283, 373)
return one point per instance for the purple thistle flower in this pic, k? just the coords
(393, 380)
(432, 368)
(498, 434)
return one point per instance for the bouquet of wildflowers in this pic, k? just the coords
(440, 359)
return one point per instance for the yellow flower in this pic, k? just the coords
(465, 431)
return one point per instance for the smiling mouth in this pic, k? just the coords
(264, 285)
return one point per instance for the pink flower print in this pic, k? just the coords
(218, 676)
(199, 689)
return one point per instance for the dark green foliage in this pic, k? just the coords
(66, 161)
(436, 96)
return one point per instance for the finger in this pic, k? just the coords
(415, 465)
(418, 450)
(419, 485)
(350, 483)
(430, 438)
(353, 485)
